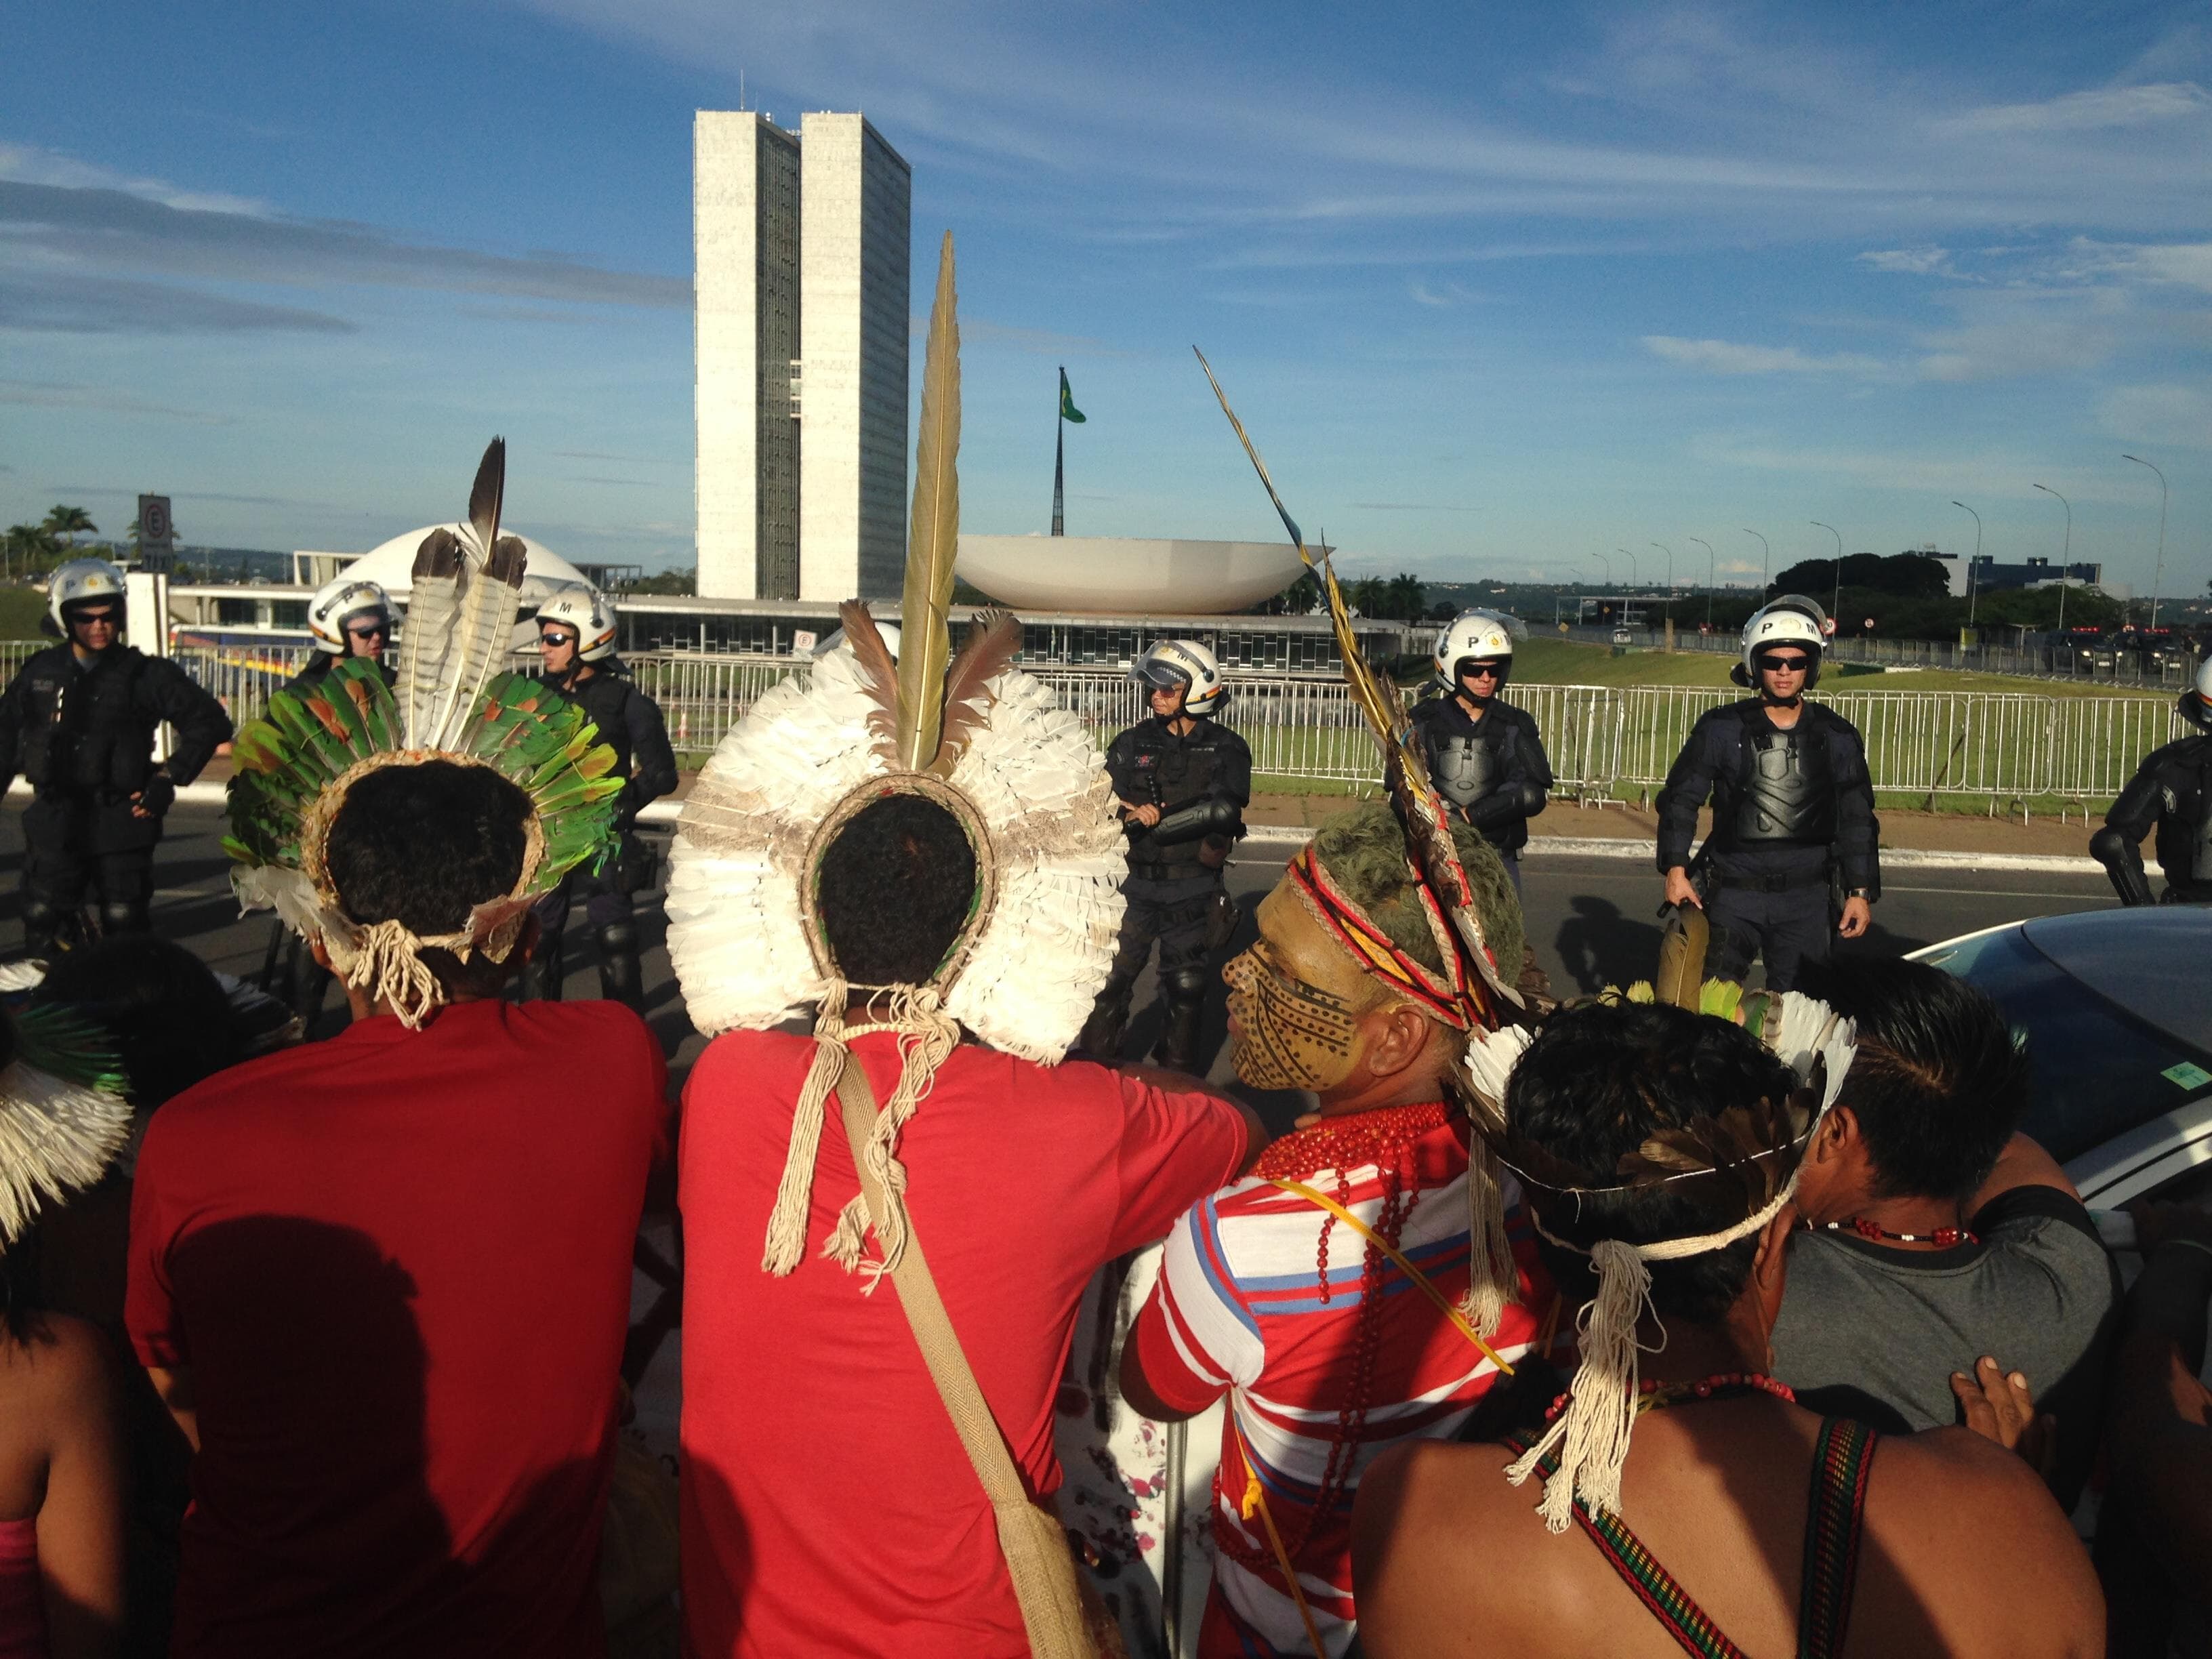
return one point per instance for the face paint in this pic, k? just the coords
(1296, 1002)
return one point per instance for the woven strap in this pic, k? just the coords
(1030, 1537)
(1670, 1604)
(1835, 1513)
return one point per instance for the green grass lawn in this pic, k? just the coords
(19, 610)
(1570, 662)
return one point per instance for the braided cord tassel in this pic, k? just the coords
(1592, 1435)
(786, 1222)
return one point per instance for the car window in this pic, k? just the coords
(2098, 1071)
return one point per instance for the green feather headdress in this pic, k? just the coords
(453, 701)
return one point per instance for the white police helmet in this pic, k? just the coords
(1477, 636)
(591, 616)
(336, 604)
(1793, 619)
(79, 581)
(2196, 705)
(1171, 663)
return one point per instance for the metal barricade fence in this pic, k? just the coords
(1307, 729)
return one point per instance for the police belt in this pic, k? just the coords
(1170, 871)
(1772, 883)
(101, 795)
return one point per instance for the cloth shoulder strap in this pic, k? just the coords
(1669, 1603)
(1032, 1538)
(1835, 1516)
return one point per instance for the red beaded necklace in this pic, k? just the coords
(1943, 1236)
(1721, 1385)
(1351, 1142)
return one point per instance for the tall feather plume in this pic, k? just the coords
(479, 620)
(432, 606)
(1682, 977)
(878, 672)
(934, 540)
(994, 638)
(1420, 810)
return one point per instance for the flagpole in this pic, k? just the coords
(1059, 456)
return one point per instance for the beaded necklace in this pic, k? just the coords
(1383, 1138)
(1944, 1236)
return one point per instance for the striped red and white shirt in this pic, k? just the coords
(1240, 1308)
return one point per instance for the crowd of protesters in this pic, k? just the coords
(331, 1363)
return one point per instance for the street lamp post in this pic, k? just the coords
(1974, 569)
(1836, 600)
(2066, 558)
(1668, 609)
(1708, 546)
(1765, 558)
(2158, 576)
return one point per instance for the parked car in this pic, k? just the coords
(2120, 1034)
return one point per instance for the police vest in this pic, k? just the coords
(1465, 767)
(83, 730)
(1787, 789)
(2200, 840)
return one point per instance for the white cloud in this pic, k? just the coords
(27, 164)
(2088, 111)
(1911, 261)
(1727, 357)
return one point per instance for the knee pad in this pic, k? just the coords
(1185, 984)
(619, 938)
(123, 916)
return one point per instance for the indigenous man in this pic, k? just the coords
(576, 635)
(1327, 1364)
(1181, 781)
(79, 722)
(1938, 1233)
(1656, 1146)
(390, 1316)
(916, 860)
(1486, 758)
(2170, 794)
(1793, 809)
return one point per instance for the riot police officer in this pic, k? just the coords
(1181, 782)
(79, 721)
(576, 638)
(2172, 790)
(349, 618)
(1486, 758)
(1793, 809)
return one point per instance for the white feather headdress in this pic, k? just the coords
(973, 734)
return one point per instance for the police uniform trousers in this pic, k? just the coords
(1175, 912)
(1786, 925)
(609, 908)
(74, 846)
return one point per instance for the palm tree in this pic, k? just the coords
(67, 521)
(1408, 597)
(27, 541)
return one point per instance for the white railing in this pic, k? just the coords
(1306, 728)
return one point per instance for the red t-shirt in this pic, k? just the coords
(397, 1266)
(828, 1505)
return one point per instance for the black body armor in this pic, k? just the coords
(1789, 792)
(1464, 769)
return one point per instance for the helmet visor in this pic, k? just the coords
(1158, 675)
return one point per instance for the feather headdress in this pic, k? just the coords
(453, 701)
(64, 1115)
(970, 732)
(1752, 1151)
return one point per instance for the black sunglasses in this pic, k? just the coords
(557, 639)
(1770, 664)
(1478, 670)
(368, 630)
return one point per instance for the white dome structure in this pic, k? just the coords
(1115, 576)
(391, 565)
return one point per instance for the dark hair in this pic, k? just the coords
(171, 1018)
(424, 845)
(894, 888)
(1938, 1083)
(1598, 1081)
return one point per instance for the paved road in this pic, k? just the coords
(1591, 919)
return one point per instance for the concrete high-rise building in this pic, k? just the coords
(801, 242)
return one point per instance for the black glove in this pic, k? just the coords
(158, 795)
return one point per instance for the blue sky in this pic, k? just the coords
(1494, 290)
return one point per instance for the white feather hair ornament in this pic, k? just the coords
(970, 733)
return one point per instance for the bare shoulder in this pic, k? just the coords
(65, 1369)
(1417, 1504)
(1417, 1507)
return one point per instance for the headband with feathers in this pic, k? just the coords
(453, 701)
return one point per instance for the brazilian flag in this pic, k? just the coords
(1068, 411)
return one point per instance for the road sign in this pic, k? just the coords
(156, 530)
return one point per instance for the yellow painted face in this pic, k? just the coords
(1297, 1001)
